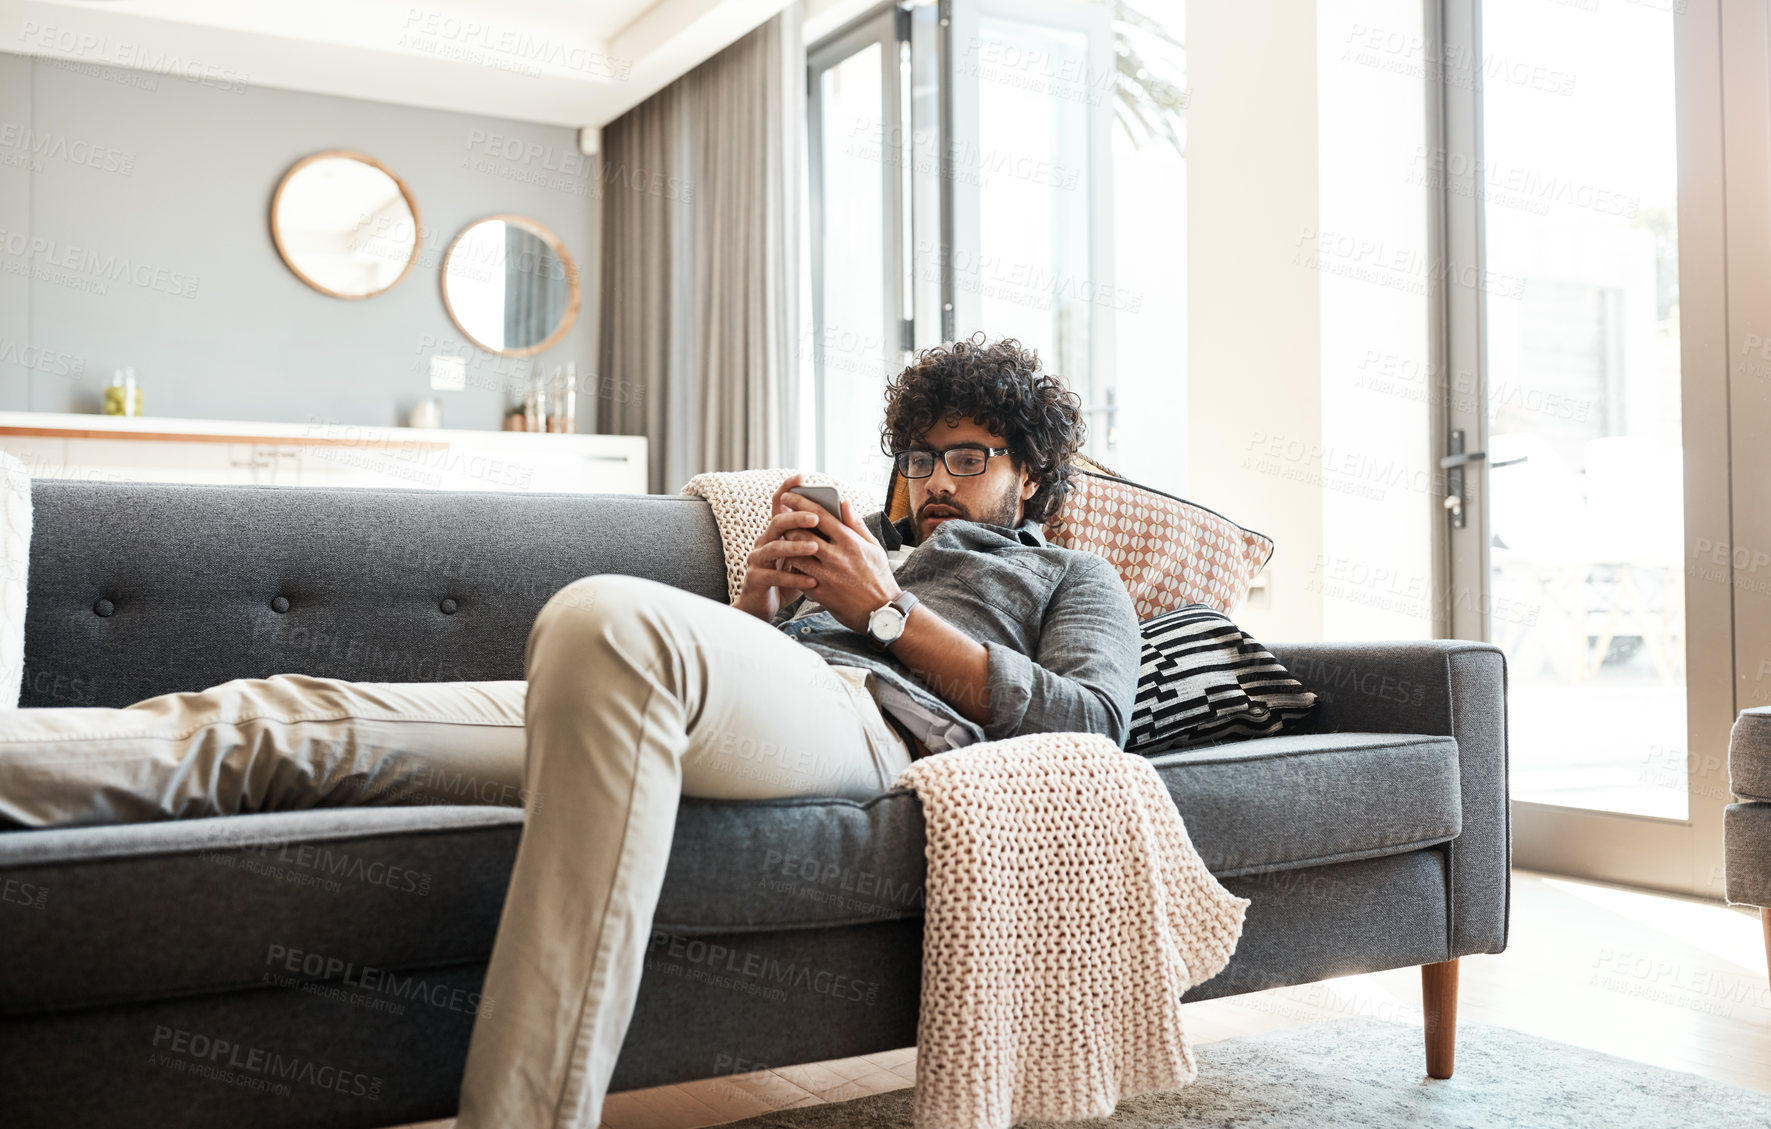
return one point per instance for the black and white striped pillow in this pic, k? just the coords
(1203, 680)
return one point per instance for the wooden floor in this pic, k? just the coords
(1669, 981)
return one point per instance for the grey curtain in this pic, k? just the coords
(535, 290)
(701, 245)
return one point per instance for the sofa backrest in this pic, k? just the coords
(141, 589)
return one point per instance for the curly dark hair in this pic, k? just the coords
(999, 386)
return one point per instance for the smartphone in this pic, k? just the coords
(826, 496)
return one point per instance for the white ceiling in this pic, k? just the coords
(565, 62)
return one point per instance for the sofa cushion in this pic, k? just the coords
(1746, 834)
(1279, 803)
(380, 896)
(1202, 679)
(150, 910)
(1169, 551)
(377, 585)
(1272, 803)
(1749, 754)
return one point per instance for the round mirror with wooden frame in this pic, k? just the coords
(345, 224)
(509, 285)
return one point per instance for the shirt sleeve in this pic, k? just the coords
(785, 612)
(1084, 677)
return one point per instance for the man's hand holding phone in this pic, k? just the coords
(769, 579)
(854, 576)
(806, 548)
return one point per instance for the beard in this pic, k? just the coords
(1001, 510)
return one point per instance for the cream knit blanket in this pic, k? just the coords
(740, 503)
(1066, 912)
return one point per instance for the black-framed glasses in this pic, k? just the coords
(962, 461)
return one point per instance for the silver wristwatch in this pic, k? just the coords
(887, 623)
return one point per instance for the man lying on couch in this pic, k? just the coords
(852, 647)
(639, 692)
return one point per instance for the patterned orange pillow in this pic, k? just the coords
(1170, 552)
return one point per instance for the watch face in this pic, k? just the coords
(885, 624)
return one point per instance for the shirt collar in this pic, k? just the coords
(1029, 532)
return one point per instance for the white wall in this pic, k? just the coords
(1379, 477)
(92, 251)
(1253, 308)
(1307, 276)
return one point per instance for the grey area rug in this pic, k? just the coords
(1367, 1074)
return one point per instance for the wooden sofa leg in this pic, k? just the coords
(1438, 990)
(1765, 917)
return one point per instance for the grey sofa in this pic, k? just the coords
(1746, 824)
(322, 967)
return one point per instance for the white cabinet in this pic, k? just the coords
(149, 449)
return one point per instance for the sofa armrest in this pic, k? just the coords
(1446, 687)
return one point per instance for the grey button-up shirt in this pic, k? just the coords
(1058, 624)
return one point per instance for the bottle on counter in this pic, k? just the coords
(535, 403)
(556, 398)
(426, 413)
(123, 396)
(569, 400)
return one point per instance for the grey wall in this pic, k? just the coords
(99, 164)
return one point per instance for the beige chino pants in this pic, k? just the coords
(639, 693)
(283, 743)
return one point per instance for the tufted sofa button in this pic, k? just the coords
(449, 606)
(104, 607)
(280, 604)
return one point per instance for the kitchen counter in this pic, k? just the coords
(320, 453)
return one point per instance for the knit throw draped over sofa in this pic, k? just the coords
(1066, 910)
(1066, 913)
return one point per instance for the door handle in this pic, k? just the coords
(1463, 457)
(1453, 465)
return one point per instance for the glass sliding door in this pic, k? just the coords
(961, 181)
(1030, 148)
(1580, 206)
(854, 101)
(1566, 438)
